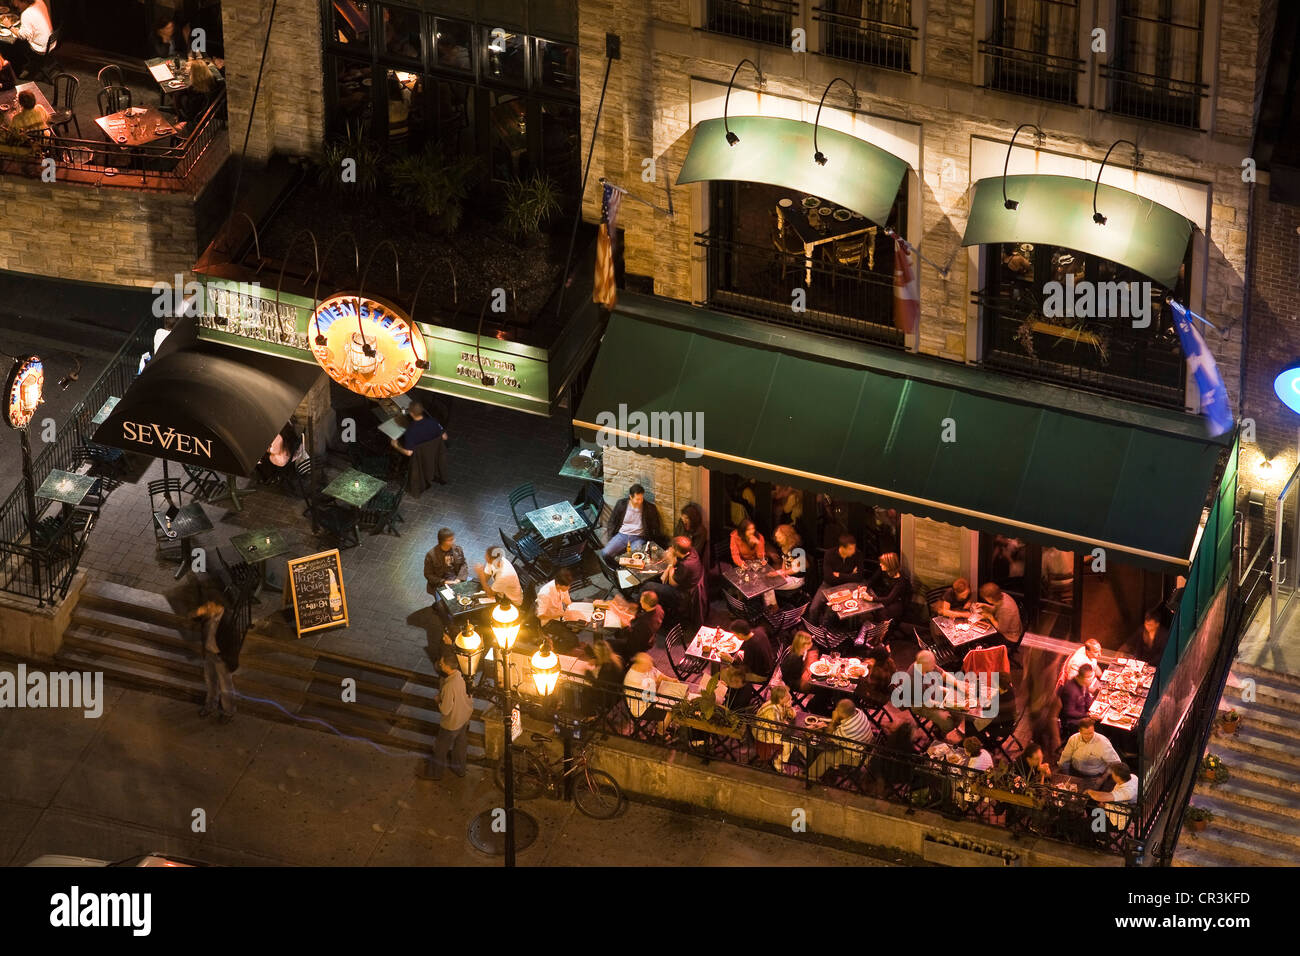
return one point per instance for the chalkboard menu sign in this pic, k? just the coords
(315, 584)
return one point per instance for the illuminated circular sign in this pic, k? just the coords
(23, 391)
(367, 345)
(1287, 386)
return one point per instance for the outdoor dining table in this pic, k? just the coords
(652, 563)
(9, 99)
(137, 126)
(557, 520)
(585, 464)
(258, 547)
(105, 410)
(850, 600)
(185, 524)
(170, 80)
(960, 633)
(839, 675)
(838, 224)
(463, 598)
(354, 488)
(66, 487)
(709, 641)
(754, 579)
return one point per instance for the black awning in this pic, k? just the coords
(206, 404)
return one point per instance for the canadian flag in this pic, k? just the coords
(907, 299)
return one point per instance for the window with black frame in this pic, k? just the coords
(1033, 49)
(764, 21)
(415, 79)
(1058, 314)
(769, 244)
(1156, 71)
(876, 32)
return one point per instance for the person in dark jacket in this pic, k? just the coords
(639, 636)
(425, 443)
(219, 647)
(1076, 699)
(756, 655)
(691, 524)
(891, 588)
(634, 521)
(841, 565)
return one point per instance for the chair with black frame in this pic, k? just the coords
(43, 66)
(108, 461)
(874, 633)
(610, 570)
(241, 577)
(525, 494)
(113, 99)
(338, 521)
(686, 668)
(824, 640)
(589, 502)
(165, 496)
(105, 481)
(932, 597)
(782, 621)
(571, 555)
(532, 555)
(64, 103)
(382, 512)
(737, 605)
(202, 483)
(311, 479)
(110, 75)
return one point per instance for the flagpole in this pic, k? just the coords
(942, 270)
(605, 182)
(1169, 300)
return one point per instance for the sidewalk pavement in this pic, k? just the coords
(131, 781)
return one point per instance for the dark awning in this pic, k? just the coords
(857, 175)
(201, 403)
(1138, 233)
(858, 422)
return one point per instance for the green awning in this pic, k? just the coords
(858, 422)
(779, 152)
(1139, 233)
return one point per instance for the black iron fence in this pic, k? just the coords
(1026, 73)
(1153, 97)
(884, 41)
(167, 167)
(875, 768)
(817, 294)
(763, 21)
(39, 563)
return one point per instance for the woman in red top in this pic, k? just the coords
(747, 544)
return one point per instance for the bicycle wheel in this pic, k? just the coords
(530, 775)
(597, 794)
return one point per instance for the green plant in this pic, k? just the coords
(350, 164)
(920, 797)
(706, 708)
(1199, 815)
(436, 183)
(1213, 769)
(529, 204)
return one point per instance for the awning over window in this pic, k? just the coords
(1139, 233)
(779, 152)
(201, 403)
(862, 423)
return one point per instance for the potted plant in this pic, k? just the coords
(1229, 721)
(363, 175)
(1213, 770)
(435, 183)
(1197, 818)
(529, 203)
(706, 714)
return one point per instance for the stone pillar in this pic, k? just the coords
(315, 406)
(669, 484)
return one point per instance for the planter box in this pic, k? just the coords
(935, 852)
(695, 723)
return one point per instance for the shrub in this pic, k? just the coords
(435, 183)
(529, 204)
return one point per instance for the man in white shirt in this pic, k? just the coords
(1087, 753)
(641, 685)
(498, 576)
(1125, 790)
(1089, 653)
(35, 27)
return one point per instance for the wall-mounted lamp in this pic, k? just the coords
(1097, 217)
(1012, 204)
(818, 156)
(732, 138)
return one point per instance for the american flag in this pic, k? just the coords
(605, 290)
(907, 302)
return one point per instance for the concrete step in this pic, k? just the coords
(161, 635)
(1264, 714)
(1228, 847)
(1283, 700)
(132, 603)
(1281, 776)
(1230, 814)
(1255, 794)
(1249, 743)
(1263, 675)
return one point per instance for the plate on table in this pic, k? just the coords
(850, 605)
(5, 33)
(598, 617)
(638, 556)
(810, 201)
(175, 84)
(963, 627)
(464, 601)
(785, 203)
(854, 671)
(842, 215)
(815, 723)
(824, 212)
(819, 669)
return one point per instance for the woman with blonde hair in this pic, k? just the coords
(773, 715)
(793, 560)
(798, 658)
(891, 588)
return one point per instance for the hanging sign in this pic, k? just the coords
(367, 345)
(23, 391)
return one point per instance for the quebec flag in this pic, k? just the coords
(1200, 364)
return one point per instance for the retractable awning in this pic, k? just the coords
(1138, 233)
(779, 152)
(858, 422)
(202, 403)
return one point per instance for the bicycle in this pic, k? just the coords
(595, 792)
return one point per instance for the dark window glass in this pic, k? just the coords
(506, 60)
(561, 145)
(1156, 72)
(453, 40)
(1034, 48)
(558, 64)
(351, 22)
(508, 124)
(405, 119)
(402, 32)
(450, 108)
(353, 100)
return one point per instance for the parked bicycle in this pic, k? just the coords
(595, 792)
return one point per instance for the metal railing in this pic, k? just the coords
(758, 282)
(872, 769)
(169, 167)
(1123, 362)
(30, 568)
(1028, 73)
(886, 43)
(763, 21)
(1152, 97)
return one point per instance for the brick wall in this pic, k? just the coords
(115, 236)
(290, 114)
(669, 484)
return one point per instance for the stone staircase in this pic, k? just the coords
(136, 639)
(1256, 811)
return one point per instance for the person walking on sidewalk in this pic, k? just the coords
(455, 706)
(216, 665)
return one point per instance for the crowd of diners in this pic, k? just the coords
(771, 675)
